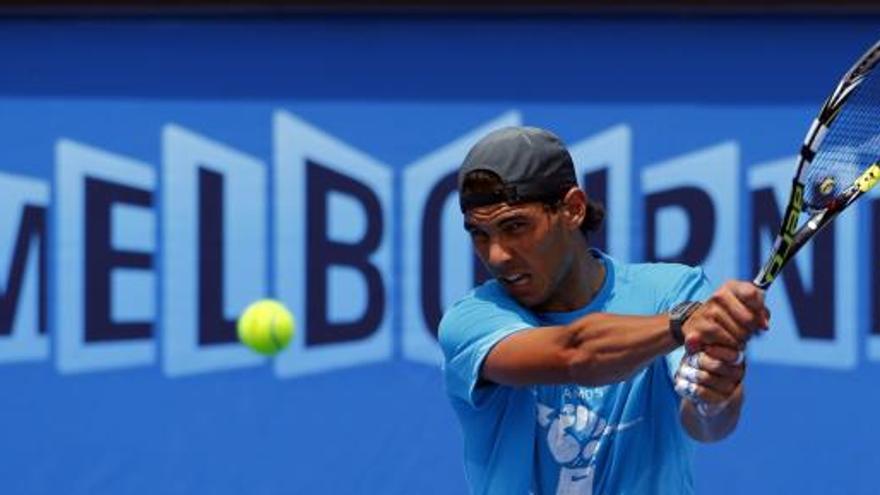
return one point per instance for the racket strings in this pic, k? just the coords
(851, 146)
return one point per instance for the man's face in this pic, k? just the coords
(523, 246)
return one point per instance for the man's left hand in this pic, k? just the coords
(710, 378)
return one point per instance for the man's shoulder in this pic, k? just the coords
(486, 307)
(657, 272)
(665, 281)
(486, 295)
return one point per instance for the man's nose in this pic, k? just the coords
(498, 254)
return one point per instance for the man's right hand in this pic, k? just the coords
(729, 318)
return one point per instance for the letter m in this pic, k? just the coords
(23, 304)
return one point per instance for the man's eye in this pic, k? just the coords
(478, 236)
(514, 227)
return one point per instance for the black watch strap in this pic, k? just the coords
(678, 315)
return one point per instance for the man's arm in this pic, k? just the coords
(712, 428)
(711, 383)
(602, 348)
(595, 350)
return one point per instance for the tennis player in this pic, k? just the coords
(566, 370)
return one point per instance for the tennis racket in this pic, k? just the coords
(837, 164)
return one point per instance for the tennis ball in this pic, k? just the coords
(266, 326)
(826, 187)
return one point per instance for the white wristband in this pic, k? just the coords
(685, 388)
(707, 411)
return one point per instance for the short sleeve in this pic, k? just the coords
(469, 330)
(693, 285)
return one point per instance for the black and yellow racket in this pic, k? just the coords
(838, 163)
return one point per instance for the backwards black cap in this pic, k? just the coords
(532, 163)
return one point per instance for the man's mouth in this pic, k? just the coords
(515, 279)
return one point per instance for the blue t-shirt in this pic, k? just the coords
(624, 438)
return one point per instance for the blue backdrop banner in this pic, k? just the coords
(158, 175)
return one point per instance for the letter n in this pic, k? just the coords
(812, 300)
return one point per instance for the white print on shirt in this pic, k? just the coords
(574, 436)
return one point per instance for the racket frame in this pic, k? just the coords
(791, 238)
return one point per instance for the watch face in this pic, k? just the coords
(680, 309)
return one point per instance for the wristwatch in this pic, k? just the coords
(678, 315)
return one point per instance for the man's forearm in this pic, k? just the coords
(712, 428)
(607, 348)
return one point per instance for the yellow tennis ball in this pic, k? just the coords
(266, 326)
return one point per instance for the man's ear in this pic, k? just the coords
(574, 208)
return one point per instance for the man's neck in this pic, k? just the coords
(579, 286)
